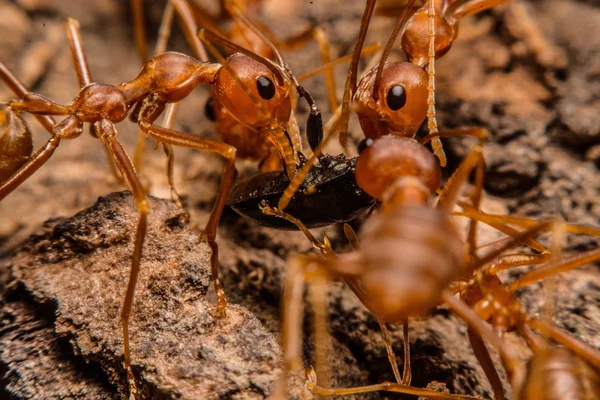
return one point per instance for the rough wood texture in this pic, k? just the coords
(527, 71)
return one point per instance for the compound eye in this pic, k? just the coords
(209, 109)
(396, 97)
(365, 143)
(266, 87)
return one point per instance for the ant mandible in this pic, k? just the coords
(167, 78)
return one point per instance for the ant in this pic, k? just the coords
(576, 366)
(401, 174)
(496, 303)
(248, 34)
(167, 78)
(429, 35)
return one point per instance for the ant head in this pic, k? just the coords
(415, 40)
(400, 104)
(389, 160)
(253, 93)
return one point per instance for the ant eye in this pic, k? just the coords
(366, 142)
(265, 87)
(396, 97)
(209, 109)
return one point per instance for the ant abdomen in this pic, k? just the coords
(392, 158)
(556, 373)
(16, 144)
(400, 105)
(408, 257)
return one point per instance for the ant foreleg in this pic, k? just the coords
(177, 138)
(291, 320)
(483, 356)
(168, 123)
(390, 353)
(20, 90)
(106, 131)
(386, 387)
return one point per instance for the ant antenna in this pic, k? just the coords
(214, 37)
(236, 12)
(436, 143)
(388, 47)
(351, 80)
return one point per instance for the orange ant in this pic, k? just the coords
(248, 34)
(549, 365)
(403, 176)
(428, 35)
(167, 78)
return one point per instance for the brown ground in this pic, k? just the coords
(529, 72)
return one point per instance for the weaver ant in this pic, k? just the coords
(245, 33)
(552, 373)
(167, 78)
(332, 184)
(402, 175)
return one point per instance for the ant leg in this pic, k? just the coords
(190, 28)
(523, 222)
(498, 224)
(557, 267)
(177, 138)
(483, 356)
(323, 247)
(164, 33)
(84, 78)
(449, 194)
(406, 372)
(291, 325)
(469, 7)
(169, 117)
(174, 194)
(390, 351)
(517, 260)
(386, 387)
(319, 300)
(139, 30)
(76, 46)
(106, 131)
(21, 91)
(507, 354)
